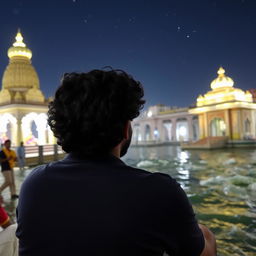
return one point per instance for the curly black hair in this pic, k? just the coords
(90, 110)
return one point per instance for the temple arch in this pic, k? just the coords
(182, 129)
(8, 127)
(136, 133)
(34, 128)
(247, 128)
(217, 127)
(156, 134)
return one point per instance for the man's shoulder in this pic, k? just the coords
(153, 178)
(154, 175)
(36, 173)
(118, 169)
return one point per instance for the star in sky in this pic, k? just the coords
(132, 20)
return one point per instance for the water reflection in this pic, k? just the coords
(183, 156)
(221, 185)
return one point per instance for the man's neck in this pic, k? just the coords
(116, 151)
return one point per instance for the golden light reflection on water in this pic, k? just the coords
(225, 208)
(221, 185)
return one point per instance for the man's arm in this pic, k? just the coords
(210, 242)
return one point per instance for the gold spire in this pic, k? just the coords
(222, 80)
(221, 71)
(19, 40)
(19, 48)
(223, 91)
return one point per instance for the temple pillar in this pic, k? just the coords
(142, 132)
(201, 126)
(19, 135)
(206, 125)
(173, 134)
(236, 124)
(190, 128)
(52, 139)
(13, 130)
(228, 124)
(253, 131)
(159, 128)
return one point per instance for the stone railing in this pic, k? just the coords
(36, 155)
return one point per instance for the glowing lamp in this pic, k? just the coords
(149, 113)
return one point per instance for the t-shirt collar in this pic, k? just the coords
(106, 158)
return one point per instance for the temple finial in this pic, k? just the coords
(19, 40)
(221, 71)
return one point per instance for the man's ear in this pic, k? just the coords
(127, 129)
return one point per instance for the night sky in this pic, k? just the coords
(173, 47)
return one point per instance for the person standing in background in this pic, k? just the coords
(7, 159)
(21, 156)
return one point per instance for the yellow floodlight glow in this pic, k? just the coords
(19, 40)
(19, 48)
(218, 97)
(222, 80)
(13, 52)
(222, 106)
(149, 114)
(223, 91)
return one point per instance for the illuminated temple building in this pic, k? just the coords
(23, 106)
(224, 111)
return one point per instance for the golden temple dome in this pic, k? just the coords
(222, 80)
(20, 80)
(223, 92)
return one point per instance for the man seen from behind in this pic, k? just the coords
(91, 202)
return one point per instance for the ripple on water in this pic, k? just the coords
(221, 185)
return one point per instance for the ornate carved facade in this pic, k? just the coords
(226, 111)
(162, 124)
(23, 106)
(223, 111)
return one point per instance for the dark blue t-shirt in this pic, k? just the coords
(104, 207)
